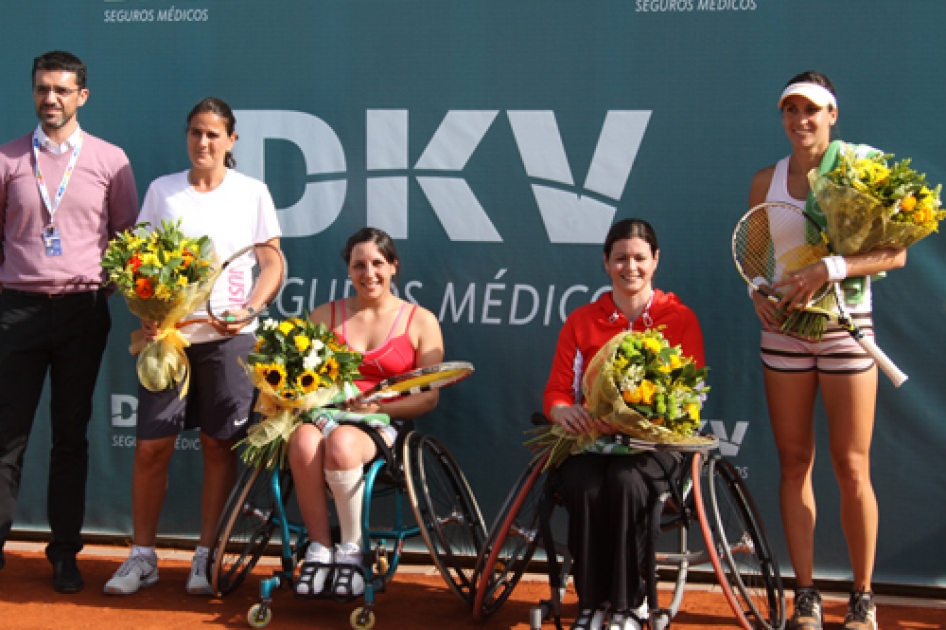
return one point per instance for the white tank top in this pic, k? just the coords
(778, 191)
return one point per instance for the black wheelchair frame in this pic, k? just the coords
(712, 497)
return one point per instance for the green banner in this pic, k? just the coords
(497, 141)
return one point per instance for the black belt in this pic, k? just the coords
(37, 295)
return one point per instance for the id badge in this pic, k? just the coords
(52, 242)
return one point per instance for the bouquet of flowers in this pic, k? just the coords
(864, 203)
(643, 387)
(297, 366)
(870, 204)
(163, 275)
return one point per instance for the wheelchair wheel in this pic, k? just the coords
(512, 540)
(747, 566)
(448, 516)
(246, 525)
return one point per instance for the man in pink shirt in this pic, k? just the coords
(63, 194)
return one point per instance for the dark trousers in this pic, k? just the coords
(65, 337)
(608, 499)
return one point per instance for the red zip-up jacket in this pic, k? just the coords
(591, 326)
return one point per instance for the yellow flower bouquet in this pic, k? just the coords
(644, 388)
(870, 204)
(297, 366)
(163, 275)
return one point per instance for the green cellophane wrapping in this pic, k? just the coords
(857, 223)
(162, 362)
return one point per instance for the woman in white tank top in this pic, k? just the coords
(794, 371)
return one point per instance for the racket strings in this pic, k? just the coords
(240, 277)
(775, 239)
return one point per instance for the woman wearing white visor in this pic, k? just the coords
(795, 369)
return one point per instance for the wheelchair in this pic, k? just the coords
(417, 470)
(711, 497)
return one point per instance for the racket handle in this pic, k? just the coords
(883, 361)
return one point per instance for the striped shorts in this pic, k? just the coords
(836, 353)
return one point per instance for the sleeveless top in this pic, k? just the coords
(395, 356)
(778, 191)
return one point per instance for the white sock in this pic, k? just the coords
(317, 552)
(147, 553)
(348, 488)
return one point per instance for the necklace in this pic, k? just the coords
(644, 316)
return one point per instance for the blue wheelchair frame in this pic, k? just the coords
(451, 521)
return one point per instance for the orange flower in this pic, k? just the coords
(135, 263)
(188, 259)
(143, 288)
(923, 215)
(642, 394)
(908, 203)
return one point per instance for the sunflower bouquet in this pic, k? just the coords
(163, 275)
(641, 386)
(297, 366)
(869, 203)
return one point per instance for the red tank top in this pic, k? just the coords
(395, 356)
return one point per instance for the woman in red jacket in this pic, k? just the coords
(607, 496)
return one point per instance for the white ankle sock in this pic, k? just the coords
(348, 488)
(147, 553)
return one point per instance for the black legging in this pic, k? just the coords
(608, 501)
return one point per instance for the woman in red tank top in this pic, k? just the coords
(394, 337)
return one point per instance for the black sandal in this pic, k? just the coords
(307, 578)
(343, 584)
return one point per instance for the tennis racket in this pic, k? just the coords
(416, 381)
(710, 443)
(242, 282)
(773, 239)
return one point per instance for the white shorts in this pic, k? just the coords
(836, 353)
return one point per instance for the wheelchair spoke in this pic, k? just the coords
(446, 511)
(748, 562)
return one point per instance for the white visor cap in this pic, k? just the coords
(815, 93)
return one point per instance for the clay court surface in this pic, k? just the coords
(417, 598)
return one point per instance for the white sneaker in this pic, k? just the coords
(349, 580)
(624, 620)
(197, 583)
(316, 569)
(135, 572)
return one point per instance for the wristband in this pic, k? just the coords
(837, 267)
(251, 310)
(758, 281)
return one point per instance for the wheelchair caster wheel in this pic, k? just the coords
(362, 619)
(381, 561)
(259, 616)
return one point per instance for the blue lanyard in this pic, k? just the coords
(53, 206)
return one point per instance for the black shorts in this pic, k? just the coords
(218, 401)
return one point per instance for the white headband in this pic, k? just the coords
(817, 94)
